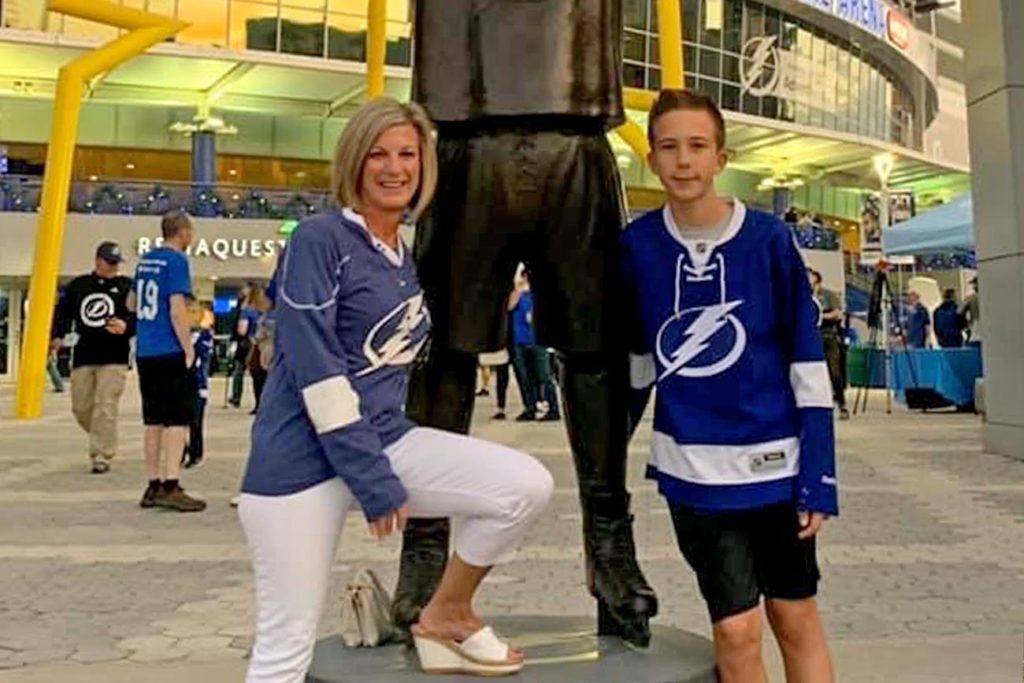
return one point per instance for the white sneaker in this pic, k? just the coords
(234, 501)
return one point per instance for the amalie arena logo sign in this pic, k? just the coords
(874, 16)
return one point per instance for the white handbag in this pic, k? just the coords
(366, 612)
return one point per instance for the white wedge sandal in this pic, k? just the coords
(482, 654)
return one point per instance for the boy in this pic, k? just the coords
(743, 447)
(202, 347)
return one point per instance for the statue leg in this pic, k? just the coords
(440, 396)
(594, 388)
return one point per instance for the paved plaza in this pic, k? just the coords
(923, 572)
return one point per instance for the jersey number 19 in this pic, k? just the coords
(148, 295)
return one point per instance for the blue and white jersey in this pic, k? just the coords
(351, 318)
(202, 345)
(728, 332)
(161, 273)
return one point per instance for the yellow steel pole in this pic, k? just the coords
(145, 30)
(376, 47)
(670, 44)
(670, 41)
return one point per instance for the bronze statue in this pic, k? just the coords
(523, 93)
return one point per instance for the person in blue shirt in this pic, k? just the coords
(202, 347)
(332, 434)
(949, 324)
(163, 283)
(917, 323)
(531, 361)
(743, 447)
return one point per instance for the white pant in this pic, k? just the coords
(496, 492)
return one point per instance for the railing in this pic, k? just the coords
(22, 193)
(815, 236)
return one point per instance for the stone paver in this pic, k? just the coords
(929, 550)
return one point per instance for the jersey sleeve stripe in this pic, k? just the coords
(642, 371)
(331, 404)
(811, 385)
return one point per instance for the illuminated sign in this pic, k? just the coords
(870, 15)
(221, 249)
(901, 31)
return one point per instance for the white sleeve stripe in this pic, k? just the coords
(642, 372)
(331, 300)
(811, 384)
(331, 404)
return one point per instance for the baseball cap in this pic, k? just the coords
(109, 252)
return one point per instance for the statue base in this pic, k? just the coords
(558, 650)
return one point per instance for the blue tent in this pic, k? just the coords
(948, 228)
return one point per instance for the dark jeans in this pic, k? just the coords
(194, 447)
(501, 371)
(836, 357)
(238, 372)
(532, 365)
(259, 378)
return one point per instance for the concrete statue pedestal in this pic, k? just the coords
(558, 650)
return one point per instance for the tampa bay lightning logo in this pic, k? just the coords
(398, 337)
(95, 309)
(701, 341)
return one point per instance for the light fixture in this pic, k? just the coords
(232, 172)
(130, 166)
(883, 164)
(203, 124)
(214, 278)
(93, 179)
(780, 182)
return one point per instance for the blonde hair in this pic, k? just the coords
(362, 133)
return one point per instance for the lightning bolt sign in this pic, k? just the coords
(711, 320)
(760, 59)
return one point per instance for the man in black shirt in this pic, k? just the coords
(93, 319)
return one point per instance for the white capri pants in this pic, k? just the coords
(496, 492)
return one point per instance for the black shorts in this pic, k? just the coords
(167, 391)
(740, 556)
(550, 199)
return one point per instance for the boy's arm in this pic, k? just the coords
(808, 374)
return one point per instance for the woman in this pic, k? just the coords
(261, 345)
(332, 433)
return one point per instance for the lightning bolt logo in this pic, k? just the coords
(401, 347)
(708, 323)
(757, 54)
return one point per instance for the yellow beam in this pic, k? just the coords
(376, 47)
(634, 136)
(144, 31)
(640, 100)
(670, 44)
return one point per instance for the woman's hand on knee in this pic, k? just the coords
(384, 526)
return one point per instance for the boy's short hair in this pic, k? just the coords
(670, 100)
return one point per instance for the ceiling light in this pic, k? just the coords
(130, 166)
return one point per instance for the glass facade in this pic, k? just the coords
(329, 29)
(757, 60)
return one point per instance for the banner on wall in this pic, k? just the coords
(902, 207)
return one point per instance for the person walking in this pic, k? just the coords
(831, 306)
(94, 320)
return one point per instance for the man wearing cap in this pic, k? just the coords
(93, 319)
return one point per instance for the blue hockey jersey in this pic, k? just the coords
(350, 319)
(728, 331)
(202, 345)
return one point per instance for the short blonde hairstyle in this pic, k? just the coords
(362, 133)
